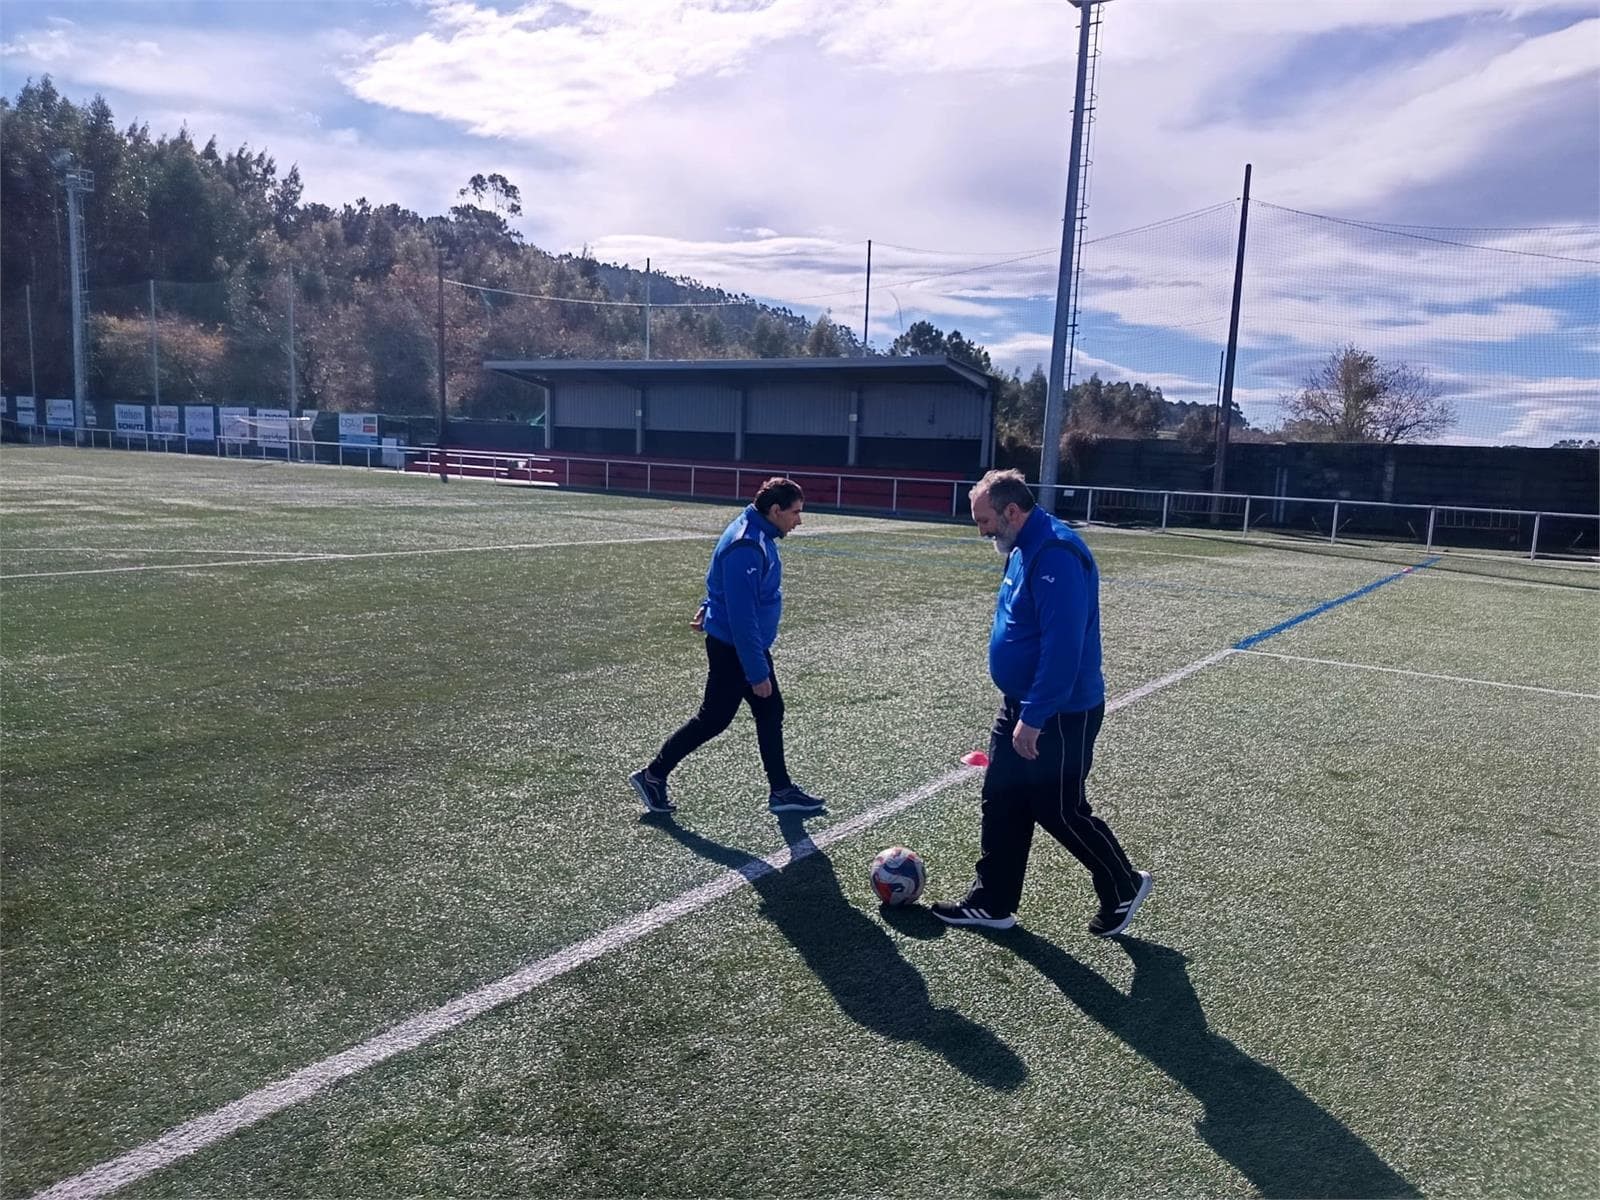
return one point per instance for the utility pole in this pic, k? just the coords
(647, 309)
(866, 311)
(1225, 402)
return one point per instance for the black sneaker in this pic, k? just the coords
(652, 793)
(1112, 919)
(793, 799)
(963, 913)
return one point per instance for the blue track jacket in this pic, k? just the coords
(1044, 649)
(744, 590)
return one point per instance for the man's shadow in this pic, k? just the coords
(1256, 1119)
(854, 958)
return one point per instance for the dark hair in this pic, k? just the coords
(780, 491)
(1004, 488)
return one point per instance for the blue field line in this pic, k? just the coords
(1255, 639)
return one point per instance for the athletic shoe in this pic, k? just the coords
(793, 799)
(652, 793)
(1112, 919)
(952, 913)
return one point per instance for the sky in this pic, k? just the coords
(1425, 173)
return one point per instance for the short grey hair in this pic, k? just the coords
(1004, 488)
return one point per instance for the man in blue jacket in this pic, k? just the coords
(739, 616)
(1044, 656)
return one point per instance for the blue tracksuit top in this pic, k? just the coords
(1044, 649)
(744, 590)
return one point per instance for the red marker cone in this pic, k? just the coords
(976, 758)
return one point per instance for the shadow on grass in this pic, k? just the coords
(854, 958)
(1270, 1130)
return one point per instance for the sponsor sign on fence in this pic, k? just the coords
(358, 429)
(199, 422)
(233, 422)
(272, 427)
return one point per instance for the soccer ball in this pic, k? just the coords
(898, 876)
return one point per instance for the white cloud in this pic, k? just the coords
(529, 74)
(265, 72)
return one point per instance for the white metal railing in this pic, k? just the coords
(1159, 506)
(1219, 505)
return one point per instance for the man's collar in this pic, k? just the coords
(1035, 529)
(762, 522)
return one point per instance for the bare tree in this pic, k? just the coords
(1355, 397)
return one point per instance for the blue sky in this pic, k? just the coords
(757, 144)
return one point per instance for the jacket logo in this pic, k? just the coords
(750, 570)
(1048, 578)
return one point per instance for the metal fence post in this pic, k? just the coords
(1333, 533)
(691, 479)
(894, 495)
(838, 491)
(648, 486)
(1165, 497)
(1432, 513)
(607, 485)
(1533, 551)
(1088, 512)
(1247, 516)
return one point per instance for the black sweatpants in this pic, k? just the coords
(726, 687)
(1048, 791)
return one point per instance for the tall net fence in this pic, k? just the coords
(1497, 329)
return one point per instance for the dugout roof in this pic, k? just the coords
(741, 372)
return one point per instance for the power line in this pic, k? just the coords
(1399, 231)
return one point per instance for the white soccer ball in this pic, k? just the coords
(898, 875)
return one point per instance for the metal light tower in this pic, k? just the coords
(1055, 394)
(79, 182)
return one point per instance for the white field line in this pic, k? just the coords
(338, 556)
(1494, 683)
(10, 550)
(335, 556)
(192, 1136)
(1156, 685)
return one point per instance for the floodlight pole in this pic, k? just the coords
(33, 372)
(1055, 393)
(647, 309)
(155, 348)
(294, 381)
(443, 471)
(78, 182)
